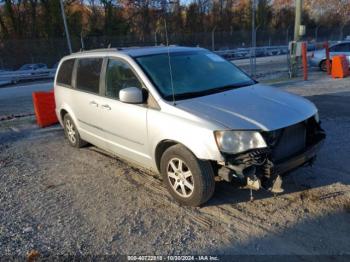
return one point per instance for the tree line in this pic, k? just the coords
(33, 19)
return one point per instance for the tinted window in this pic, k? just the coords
(88, 74)
(65, 73)
(341, 48)
(118, 76)
(346, 47)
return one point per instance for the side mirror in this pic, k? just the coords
(131, 95)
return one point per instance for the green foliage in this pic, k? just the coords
(263, 13)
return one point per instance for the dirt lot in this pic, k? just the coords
(58, 200)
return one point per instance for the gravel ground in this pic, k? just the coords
(56, 199)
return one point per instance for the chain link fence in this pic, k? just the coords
(234, 45)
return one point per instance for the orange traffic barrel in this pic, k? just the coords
(44, 108)
(340, 67)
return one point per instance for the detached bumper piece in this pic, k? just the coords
(288, 149)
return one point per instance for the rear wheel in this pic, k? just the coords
(189, 180)
(72, 133)
(323, 65)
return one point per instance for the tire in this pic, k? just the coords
(323, 65)
(189, 180)
(72, 133)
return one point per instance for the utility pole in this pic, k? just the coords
(298, 11)
(253, 45)
(297, 23)
(66, 27)
(213, 39)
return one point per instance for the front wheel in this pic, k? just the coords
(189, 180)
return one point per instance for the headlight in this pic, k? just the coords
(317, 117)
(238, 141)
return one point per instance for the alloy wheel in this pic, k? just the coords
(70, 131)
(180, 177)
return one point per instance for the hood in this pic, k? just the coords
(256, 107)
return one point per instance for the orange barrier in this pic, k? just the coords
(44, 108)
(340, 67)
(304, 59)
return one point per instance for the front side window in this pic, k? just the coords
(88, 74)
(118, 76)
(64, 76)
(193, 73)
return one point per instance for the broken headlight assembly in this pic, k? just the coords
(232, 142)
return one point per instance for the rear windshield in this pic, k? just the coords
(64, 76)
(194, 73)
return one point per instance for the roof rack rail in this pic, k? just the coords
(99, 50)
(109, 48)
(147, 46)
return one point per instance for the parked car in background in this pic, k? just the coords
(318, 58)
(200, 118)
(27, 72)
(32, 67)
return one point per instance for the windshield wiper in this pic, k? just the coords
(208, 92)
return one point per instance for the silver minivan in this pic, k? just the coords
(188, 114)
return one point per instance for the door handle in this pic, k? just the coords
(93, 103)
(107, 107)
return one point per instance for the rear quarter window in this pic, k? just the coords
(88, 74)
(64, 76)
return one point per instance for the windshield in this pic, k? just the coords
(194, 73)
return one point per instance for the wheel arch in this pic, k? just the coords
(324, 60)
(162, 146)
(66, 110)
(63, 112)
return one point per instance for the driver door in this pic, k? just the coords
(124, 125)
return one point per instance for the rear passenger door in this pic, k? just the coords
(124, 124)
(87, 102)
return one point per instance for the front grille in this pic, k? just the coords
(291, 142)
(287, 142)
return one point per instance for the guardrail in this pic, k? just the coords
(13, 77)
(241, 53)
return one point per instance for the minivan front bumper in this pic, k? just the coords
(261, 167)
(305, 157)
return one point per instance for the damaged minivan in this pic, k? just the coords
(188, 114)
